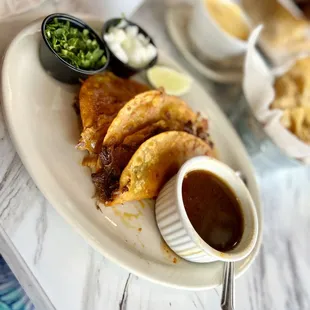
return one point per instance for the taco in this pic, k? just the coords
(143, 117)
(150, 107)
(100, 98)
(149, 167)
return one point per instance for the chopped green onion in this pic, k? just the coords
(76, 47)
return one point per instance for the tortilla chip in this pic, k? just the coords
(150, 107)
(101, 97)
(154, 163)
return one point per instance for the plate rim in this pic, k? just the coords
(74, 223)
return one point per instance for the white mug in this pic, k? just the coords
(209, 39)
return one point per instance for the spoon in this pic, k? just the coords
(228, 293)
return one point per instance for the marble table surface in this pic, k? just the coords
(59, 270)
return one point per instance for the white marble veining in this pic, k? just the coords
(60, 271)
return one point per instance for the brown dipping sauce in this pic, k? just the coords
(213, 210)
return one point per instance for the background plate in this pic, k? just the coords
(177, 19)
(45, 130)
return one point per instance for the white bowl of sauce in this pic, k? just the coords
(205, 213)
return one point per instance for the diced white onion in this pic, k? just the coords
(108, 37)
(143, 39)
(119, 35)
(119, 52)
(130, 46)
(132, 31)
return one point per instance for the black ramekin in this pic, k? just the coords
(58, 67)
(116, 65)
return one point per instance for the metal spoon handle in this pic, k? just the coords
(228, 294)
(228, 291)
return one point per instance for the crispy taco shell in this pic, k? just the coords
(101, 97)
(155, 161)
(150, 107)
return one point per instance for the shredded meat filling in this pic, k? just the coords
(113, 161)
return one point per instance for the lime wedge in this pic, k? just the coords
(174, 82)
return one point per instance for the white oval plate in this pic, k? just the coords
(44, 129)
(177, 18)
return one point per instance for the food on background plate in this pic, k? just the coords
(292, 95)
(229, 16)
(129, 45)
(154, 163)
(100, 98)
(173, 82)
(281, 28)
(74, 45)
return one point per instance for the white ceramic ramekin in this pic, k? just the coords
(209, 39)
(177, 229)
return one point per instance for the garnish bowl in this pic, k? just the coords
(55, 65)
